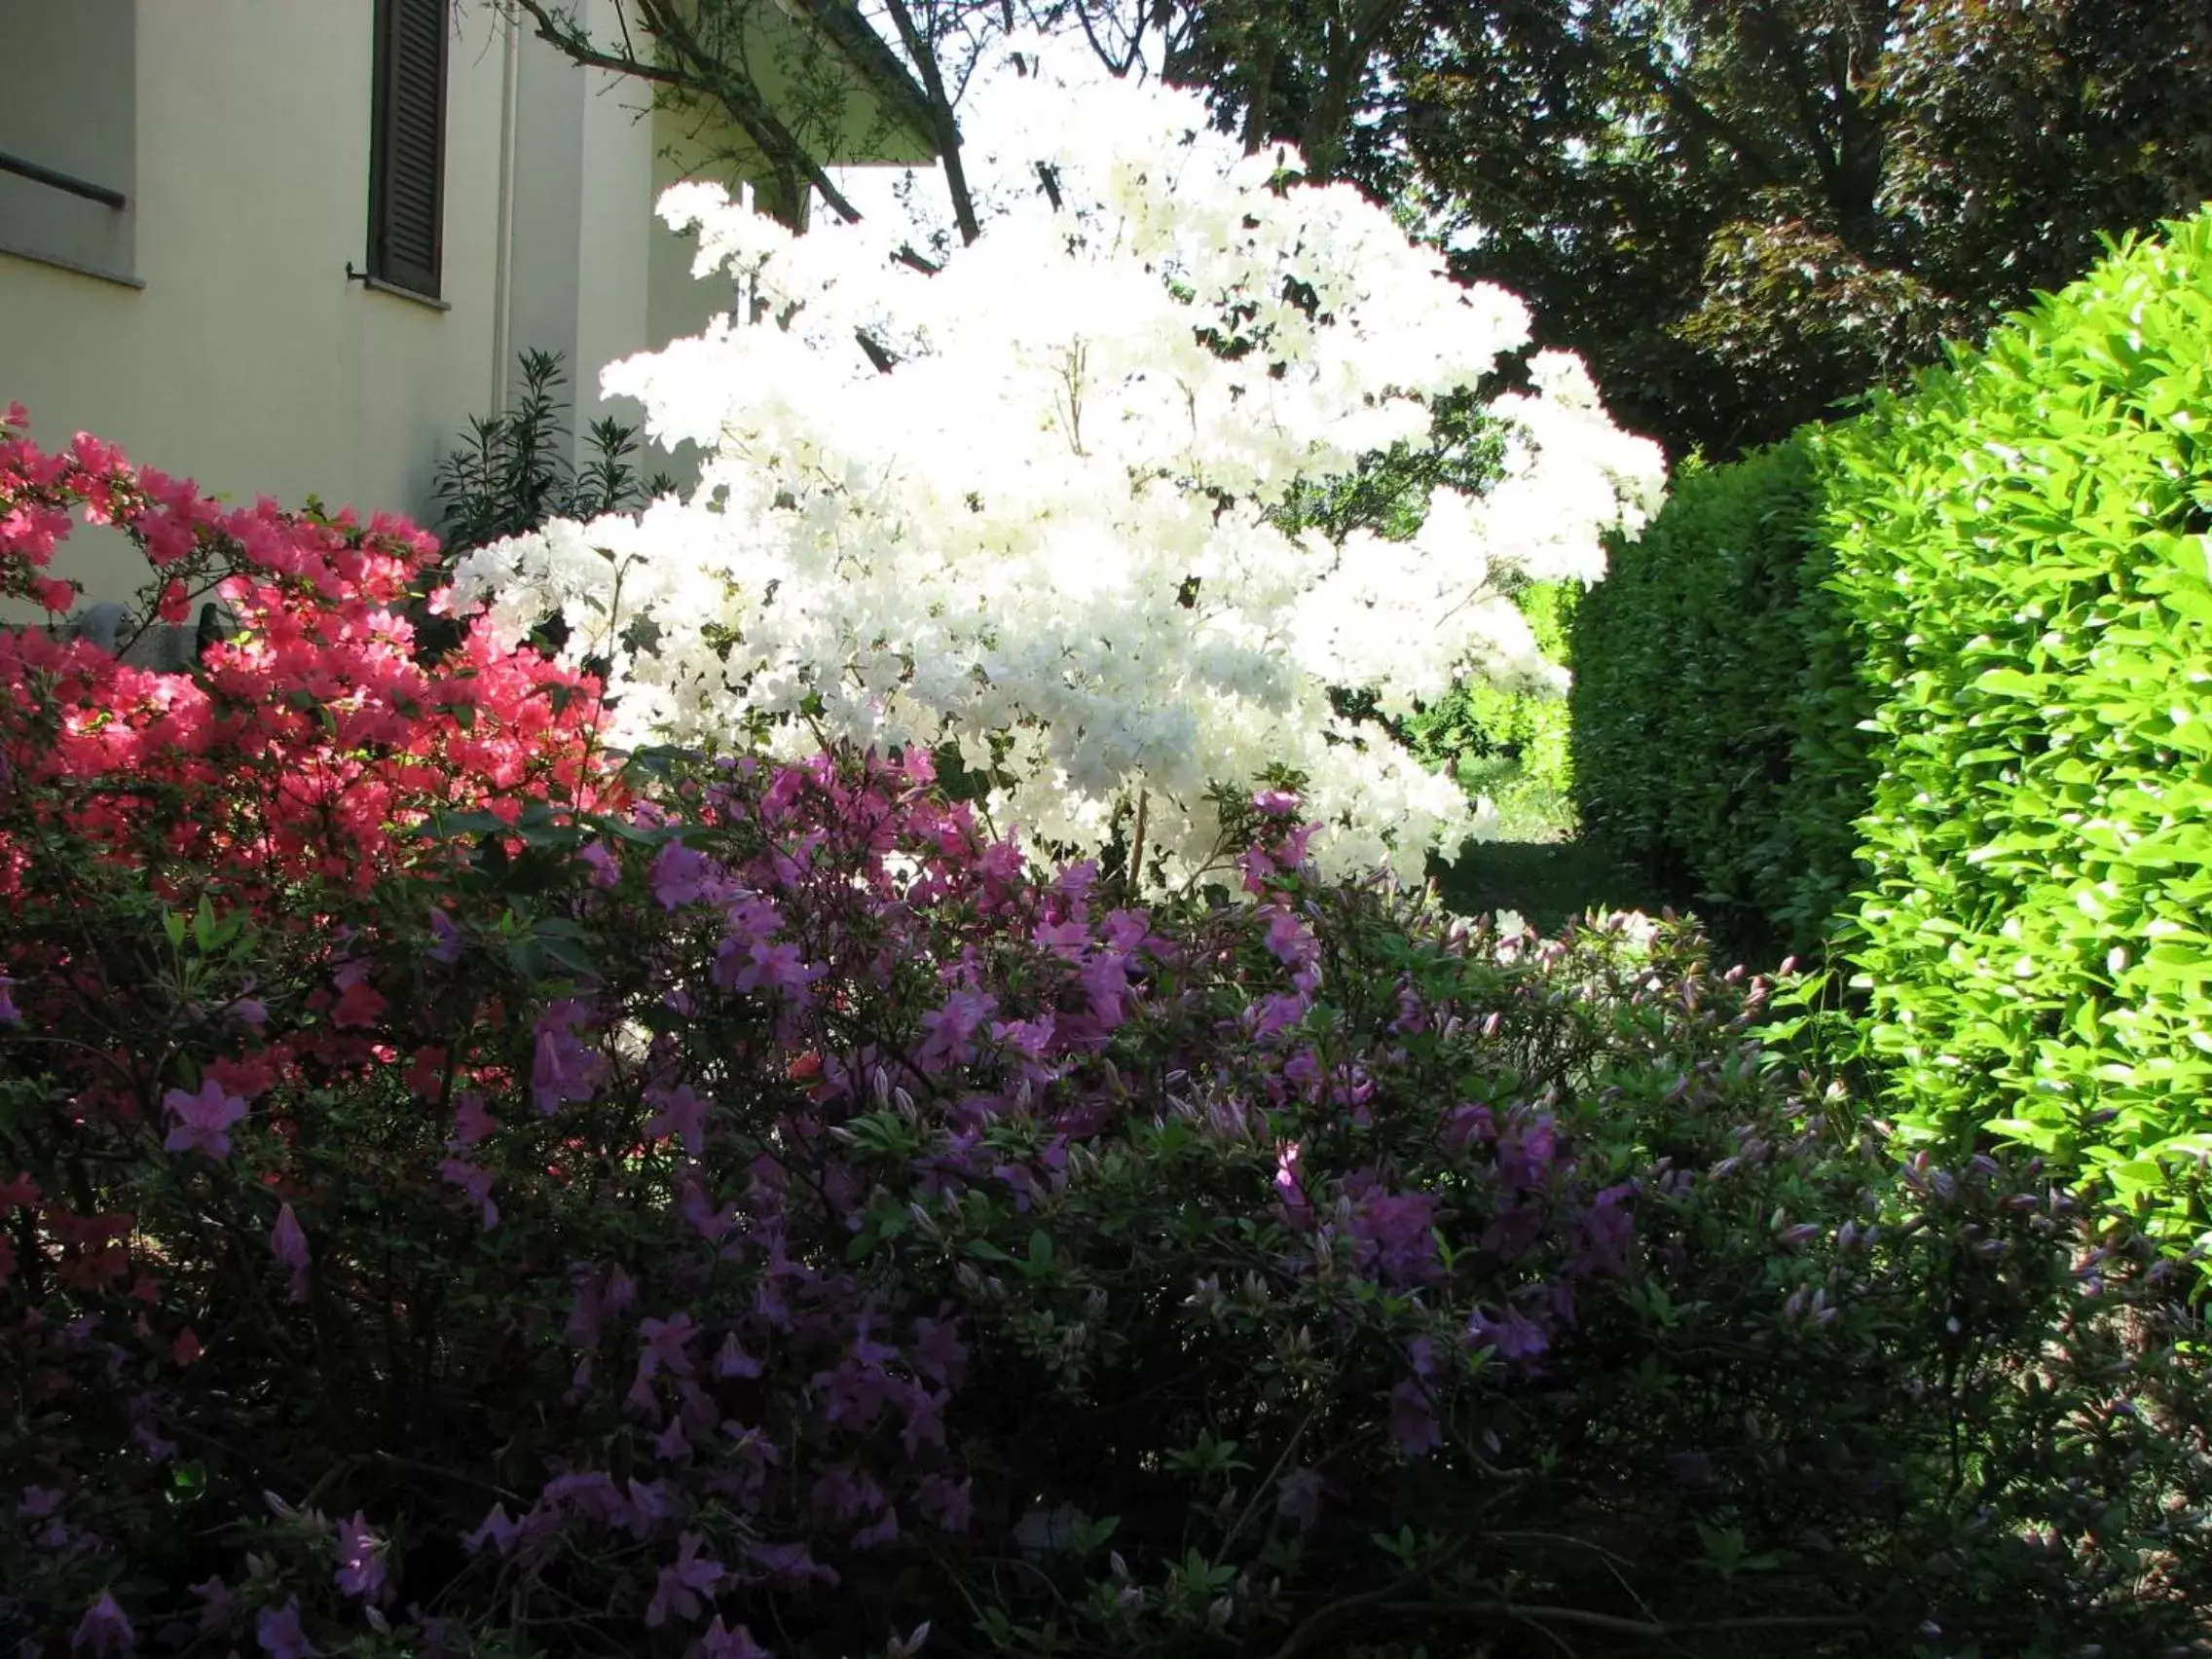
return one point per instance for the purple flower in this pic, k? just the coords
(671, 1445)
(250, 1011)
(844, 1495)
(939, 1353)
(605, 871)
(1287, 1187)
(684, 1582)
(733, 1361)
(104, 1629)
(1289, 941)
(220, 1607)
(683, 1113)
(590, 1494)
(360, 1560)
(10, 1014)
(38, 1502)
(563, 1067)
(852, 1395)
(667, 1342)
(1395, 1229)
(278, 1631)
(1513, 1338)
(496, 1528)
(699, 1210)
(204, 1120)
(1274, 1015)
(1465, 1123)
(1126, 930)
(650, 1503)
(791, 1563)
(148, 1439)
(883, 1530)
(1297, 1498)
(476, 1183)
(1608, 1227)
(950, 1032)
(1062, 938)
(288, 1243)
(1525, 1155)
(946, 1501)
(779, 968)
(599, 1297)
(1413, 1423)
(682, 875)
(447, 952)
(471, 1123)
(925, 1418)
(1106, 982)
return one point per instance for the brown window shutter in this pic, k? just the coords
(407, 144)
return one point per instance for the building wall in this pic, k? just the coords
(211, 328)
(245, 359)
(230, 345)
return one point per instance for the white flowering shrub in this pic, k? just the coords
(1030, 501)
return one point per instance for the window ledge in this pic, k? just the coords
(120, 278)
(431, 301)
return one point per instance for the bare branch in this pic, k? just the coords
(919, 48)
(689, 69)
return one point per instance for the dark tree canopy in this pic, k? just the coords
(1744, 210)
(1739, 212)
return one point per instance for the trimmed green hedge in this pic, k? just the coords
(1715, 707)
(2006, 578)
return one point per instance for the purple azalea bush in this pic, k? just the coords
(774, 1219)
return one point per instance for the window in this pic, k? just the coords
(408, 145)
(69, 132)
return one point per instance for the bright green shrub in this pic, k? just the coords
(1932, 686)
(1483, 732)
(1714, 706)
(2023, 546)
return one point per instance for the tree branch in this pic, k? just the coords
(574, 45)
(922, 52)
(689, 70)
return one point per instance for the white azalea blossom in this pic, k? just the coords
(1048, 531)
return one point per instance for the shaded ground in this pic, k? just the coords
(1548, 882)
(1541, 865)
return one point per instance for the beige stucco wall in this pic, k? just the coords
(248, 360)
(242, 355)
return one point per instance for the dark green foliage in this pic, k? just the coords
(1388, 493)
(514, 472)
(1963, 639)
(1741, 211)
(1483, 734)
(1548, 884)
(1714, 704)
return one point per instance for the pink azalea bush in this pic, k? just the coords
(679, 1204)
